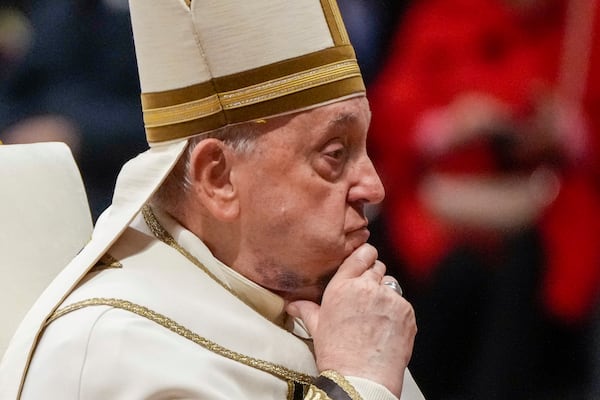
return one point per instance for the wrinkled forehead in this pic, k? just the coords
(307, 128)
(342, 114)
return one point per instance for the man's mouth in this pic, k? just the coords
(358, 236)
(358, 227)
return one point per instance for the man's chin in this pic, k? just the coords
(312, 288)
(355, 239)
(315, 291)
(313, 294)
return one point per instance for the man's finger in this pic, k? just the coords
(307, 311)
(357, 263)
(377, 271)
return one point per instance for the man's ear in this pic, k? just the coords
(211, 162)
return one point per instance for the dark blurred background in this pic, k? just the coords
(68, 73)
(486, 128)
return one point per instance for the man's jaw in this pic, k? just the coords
(299, 290)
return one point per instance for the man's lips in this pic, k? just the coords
(362, 226)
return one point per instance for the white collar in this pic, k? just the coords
(265, 302)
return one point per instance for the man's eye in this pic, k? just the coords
(332, 160)
(335, 152)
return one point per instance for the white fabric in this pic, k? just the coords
(410, 390)
(167, 51)
(137, 181)
(117, 355)
(267, 303)
(177, 47)
(266, 31)
(44, 221)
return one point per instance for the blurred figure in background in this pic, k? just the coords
(77, 83)
(15, 36)
(485, 131)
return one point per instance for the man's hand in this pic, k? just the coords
(362, 328)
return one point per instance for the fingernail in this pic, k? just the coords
(365, 251)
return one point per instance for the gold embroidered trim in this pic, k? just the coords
(273, 369)
(343, 383)
(314, 393)
(162, 116)
(274, 88)
(289, 84)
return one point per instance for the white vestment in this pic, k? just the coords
(155, 321)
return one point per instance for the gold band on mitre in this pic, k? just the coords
(273, 89)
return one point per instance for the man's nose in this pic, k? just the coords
(368, 188)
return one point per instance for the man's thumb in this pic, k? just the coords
(307, 311)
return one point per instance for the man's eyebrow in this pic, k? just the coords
(343, 118)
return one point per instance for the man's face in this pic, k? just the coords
(303, 193)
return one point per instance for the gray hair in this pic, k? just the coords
(241, 139)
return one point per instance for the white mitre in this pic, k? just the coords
(203, 65)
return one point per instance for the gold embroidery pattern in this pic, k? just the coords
(289, 84)
(272, 89)
(273, 369)
(162, 116)
(341, 381)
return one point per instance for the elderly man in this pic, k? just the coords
(233, 262)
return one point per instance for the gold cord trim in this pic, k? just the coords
(161, 234)
(289, 84)
(162, 116)
(342, 382)
(273, 369)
